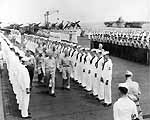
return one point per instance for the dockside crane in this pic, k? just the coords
(46, 16)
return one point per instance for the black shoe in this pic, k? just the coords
(67, 89)
(101, 100)
(62, 88)
(29, 113)
(49, 90)
(53, 95)
(95, 96)
(28, 117)
(107, 105)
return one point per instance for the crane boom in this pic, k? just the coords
(49, 13)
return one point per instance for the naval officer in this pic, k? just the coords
(67, 65)
(49, 69)
(134, 92)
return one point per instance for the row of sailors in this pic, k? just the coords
(18, 74)
(122, 36)
(123, 32)
(122, 40)
(90, 68)
(141, 41)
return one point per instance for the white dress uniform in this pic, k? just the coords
(24, 80)
(85, 71)
(124, 108)
(94, 75)
(16, 87)
(88, 81)
(83, 76)
(107, 77)
(79, 67)
(75, 65)
(99, 86)
(81, 64)
(11, 70)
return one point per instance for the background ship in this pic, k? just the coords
(120, 23)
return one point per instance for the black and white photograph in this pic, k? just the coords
(74, 59)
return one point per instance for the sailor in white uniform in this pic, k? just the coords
(93, 74)
(85, 68)
(99, 86)
(24, 79)
(88, 70)
(81, 64)
(124, 108)
(107, 77)
(76, 64)
(73, 57)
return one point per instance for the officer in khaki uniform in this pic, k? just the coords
(67, 65)
(49, 69)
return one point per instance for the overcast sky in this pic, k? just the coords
(24, 11)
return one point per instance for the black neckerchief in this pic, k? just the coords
(63, 49)
(96, 64)
(73, 53)
(81, 57)
(104, 64)
(85, 59)
(92, 60)
(77, 56)
(70, 51)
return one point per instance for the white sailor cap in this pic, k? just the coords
(124, 85)
(105, 53)
(74, 45)
(93, 50)
(78, 46)
(82, 48)
(100, 45)
(87, 48)
(129, 73)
